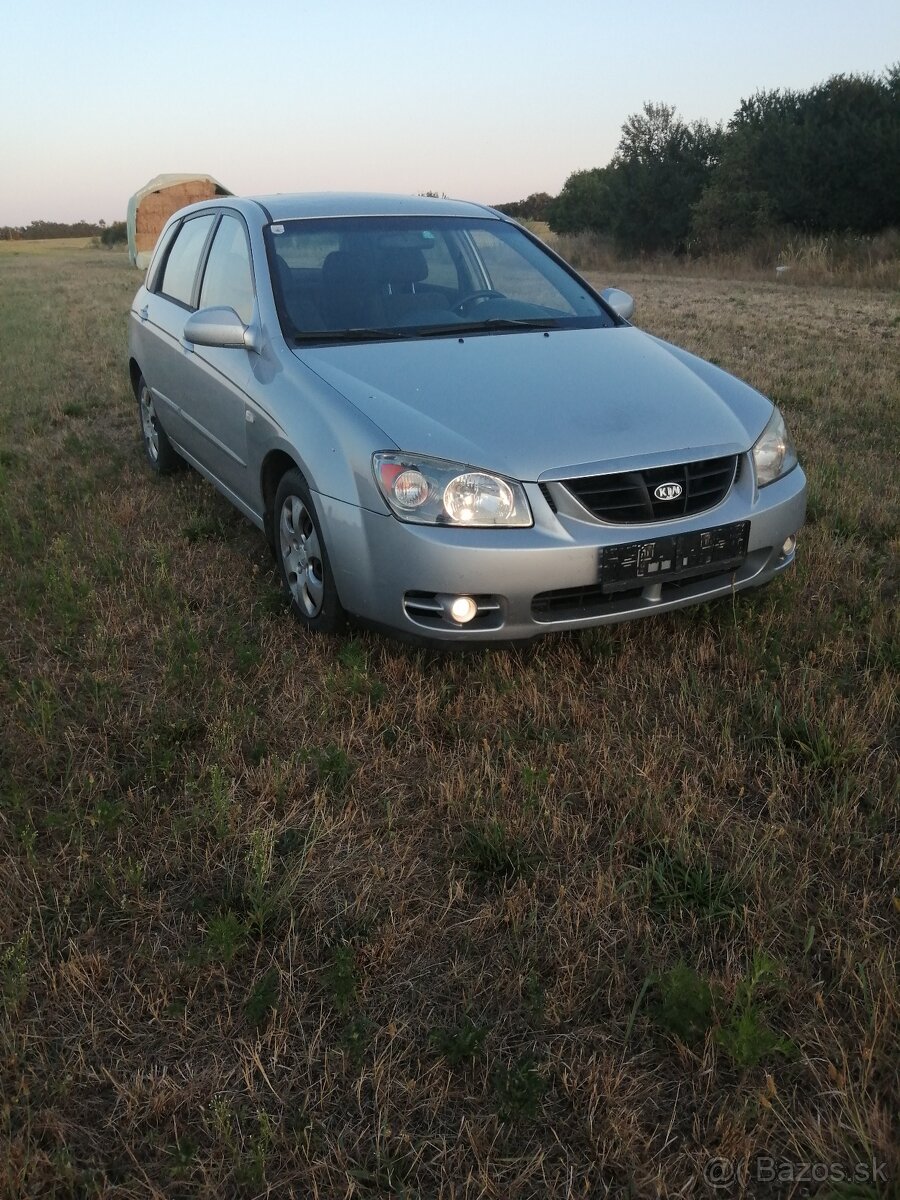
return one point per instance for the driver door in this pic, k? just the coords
(214, 402)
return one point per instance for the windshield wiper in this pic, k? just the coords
(352, 335)
(495, 325)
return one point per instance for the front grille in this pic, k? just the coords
(628, 498)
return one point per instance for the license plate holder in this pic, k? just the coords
(661, 560)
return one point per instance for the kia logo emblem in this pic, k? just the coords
(668, 491)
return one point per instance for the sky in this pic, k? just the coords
(486, 100)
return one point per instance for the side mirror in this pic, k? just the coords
(620, 302)
(219, 327)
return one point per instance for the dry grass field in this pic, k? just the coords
(343, 918)
(42, 246)
(839, 260)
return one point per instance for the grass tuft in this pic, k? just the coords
(262, 1000)
(460, 1043)
(493, 854)
(519, 1089)
(684, 1004)
(677, 887)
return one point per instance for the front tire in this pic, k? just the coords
(158, 450)
(302, 558)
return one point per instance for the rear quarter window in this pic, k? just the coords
(158, 261)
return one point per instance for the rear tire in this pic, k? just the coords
(306, 574)
(158, 450)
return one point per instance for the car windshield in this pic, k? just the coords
(379, 278)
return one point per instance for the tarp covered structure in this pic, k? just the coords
(152, 205)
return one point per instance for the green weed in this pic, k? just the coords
(218, 801)
(817, 745)
(340, 977)
(222, 1121)
(745, 1036)
(684, 1004)
(108, 814)
(14, 971)
(207, 527)
(182, 1155)
(262, 999)
(355, 677)
(491, 853)
(519, 1089)
(535, 784)
(386, 1173)
(355, 1037)
(333, 767)
(225, 935)
(251, 1168)
(687, 1006)
(461, 1043)
(241, 640)
(180, 649)
(534, 996)
(353, 655)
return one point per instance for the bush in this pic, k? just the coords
(114, 234)
(583, 204)
(535, 207)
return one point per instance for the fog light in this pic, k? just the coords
(463, 609)
(790, 545)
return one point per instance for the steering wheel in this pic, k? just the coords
(483, 294)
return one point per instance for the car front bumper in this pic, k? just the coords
(404, 576)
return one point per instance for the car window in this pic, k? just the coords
(158, 261)
(228, 278)
(510, 272)
(352, 277)
(309, 250)
(304, 248)
(181, 266)
(442, 271)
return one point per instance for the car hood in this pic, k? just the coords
(532, 406)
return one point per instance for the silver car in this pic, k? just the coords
(442, 429)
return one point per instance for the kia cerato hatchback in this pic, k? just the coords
(442, 428)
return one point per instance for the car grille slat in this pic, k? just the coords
(628, 498)
(591, 601)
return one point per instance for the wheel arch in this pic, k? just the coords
(134, 373)
(274, 466)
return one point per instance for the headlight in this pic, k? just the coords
(432, 491)
(774, 454)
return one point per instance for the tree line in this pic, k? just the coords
(109, 234)
(816, 161)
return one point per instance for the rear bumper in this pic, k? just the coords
(402, 576)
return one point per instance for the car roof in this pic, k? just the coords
(287, 206)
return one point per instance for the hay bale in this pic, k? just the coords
(152, 205)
